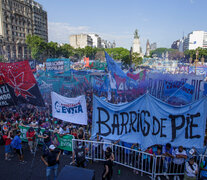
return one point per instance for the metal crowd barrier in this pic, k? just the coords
(131, 158)
(140, 161)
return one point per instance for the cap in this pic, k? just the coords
(52, 147)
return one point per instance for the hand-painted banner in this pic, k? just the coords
(69, 109)
(185, 93)
(171, 86)
(156, 83)
(149, 121)
(64, 142)
(137, 77)
(18, 85)
(57, 65)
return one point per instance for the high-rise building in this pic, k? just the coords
(153, 46)
(81, 41)
(19, 18)
(39, 18)
(92, 40)
(175, 44)
(195, 39)
(96, 40)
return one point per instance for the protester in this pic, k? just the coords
(191, 169)
(31, 139)
(159, 161)
(167, 151)
(179, 161)
(79, 155)
(17, 145)
(47, 139)
(203, 168)
(52, 161)
(63, 131)
(7, 139)
(108, 167)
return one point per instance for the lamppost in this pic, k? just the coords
(196, 61)
(202, 60)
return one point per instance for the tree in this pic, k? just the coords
(136, 59)
(158, 52)
(53, 50)
(66, 50)
(90, 52)
(192, 53)
(79, 53)
(119, 54)
(37, 46)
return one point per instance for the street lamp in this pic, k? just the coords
(202, 60)
(196, 60)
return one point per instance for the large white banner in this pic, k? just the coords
(69, 109)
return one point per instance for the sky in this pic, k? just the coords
(160, 21)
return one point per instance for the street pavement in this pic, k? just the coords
(13, 170)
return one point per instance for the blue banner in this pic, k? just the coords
(185, 93)
(149, 121)
(171, 86)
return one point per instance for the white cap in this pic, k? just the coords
(52, 147)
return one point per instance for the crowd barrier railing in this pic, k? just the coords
(131, 158)
(144, 163)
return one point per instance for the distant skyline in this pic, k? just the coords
(160, 21)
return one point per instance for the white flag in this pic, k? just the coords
(72, 110)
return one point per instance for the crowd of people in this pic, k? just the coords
(170, 160)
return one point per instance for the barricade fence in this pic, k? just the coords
(145, 163)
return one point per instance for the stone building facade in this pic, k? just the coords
(19, 18)
(81, 41)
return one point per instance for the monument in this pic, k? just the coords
(147, 48)
(136, 44)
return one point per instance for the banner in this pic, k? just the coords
(18, 85)
(149, 121)
(156, 83)
(185, 93)
(72, 110)
(58, 64)
(171, 86)
(64, 142)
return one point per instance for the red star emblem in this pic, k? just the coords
(20, 87)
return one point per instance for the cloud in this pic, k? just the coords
(60, 32)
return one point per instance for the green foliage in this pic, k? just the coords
(119, 54)
(159, 51)
(66, 50)
(2, 59)
(192, 53)
(37, 46)
(136, 59)
(90, 52)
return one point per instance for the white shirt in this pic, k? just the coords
(62, 131)
(189, 171)
(179, 160)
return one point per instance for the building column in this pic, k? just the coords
(23, 55)
(17, 51)
(12, 52)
